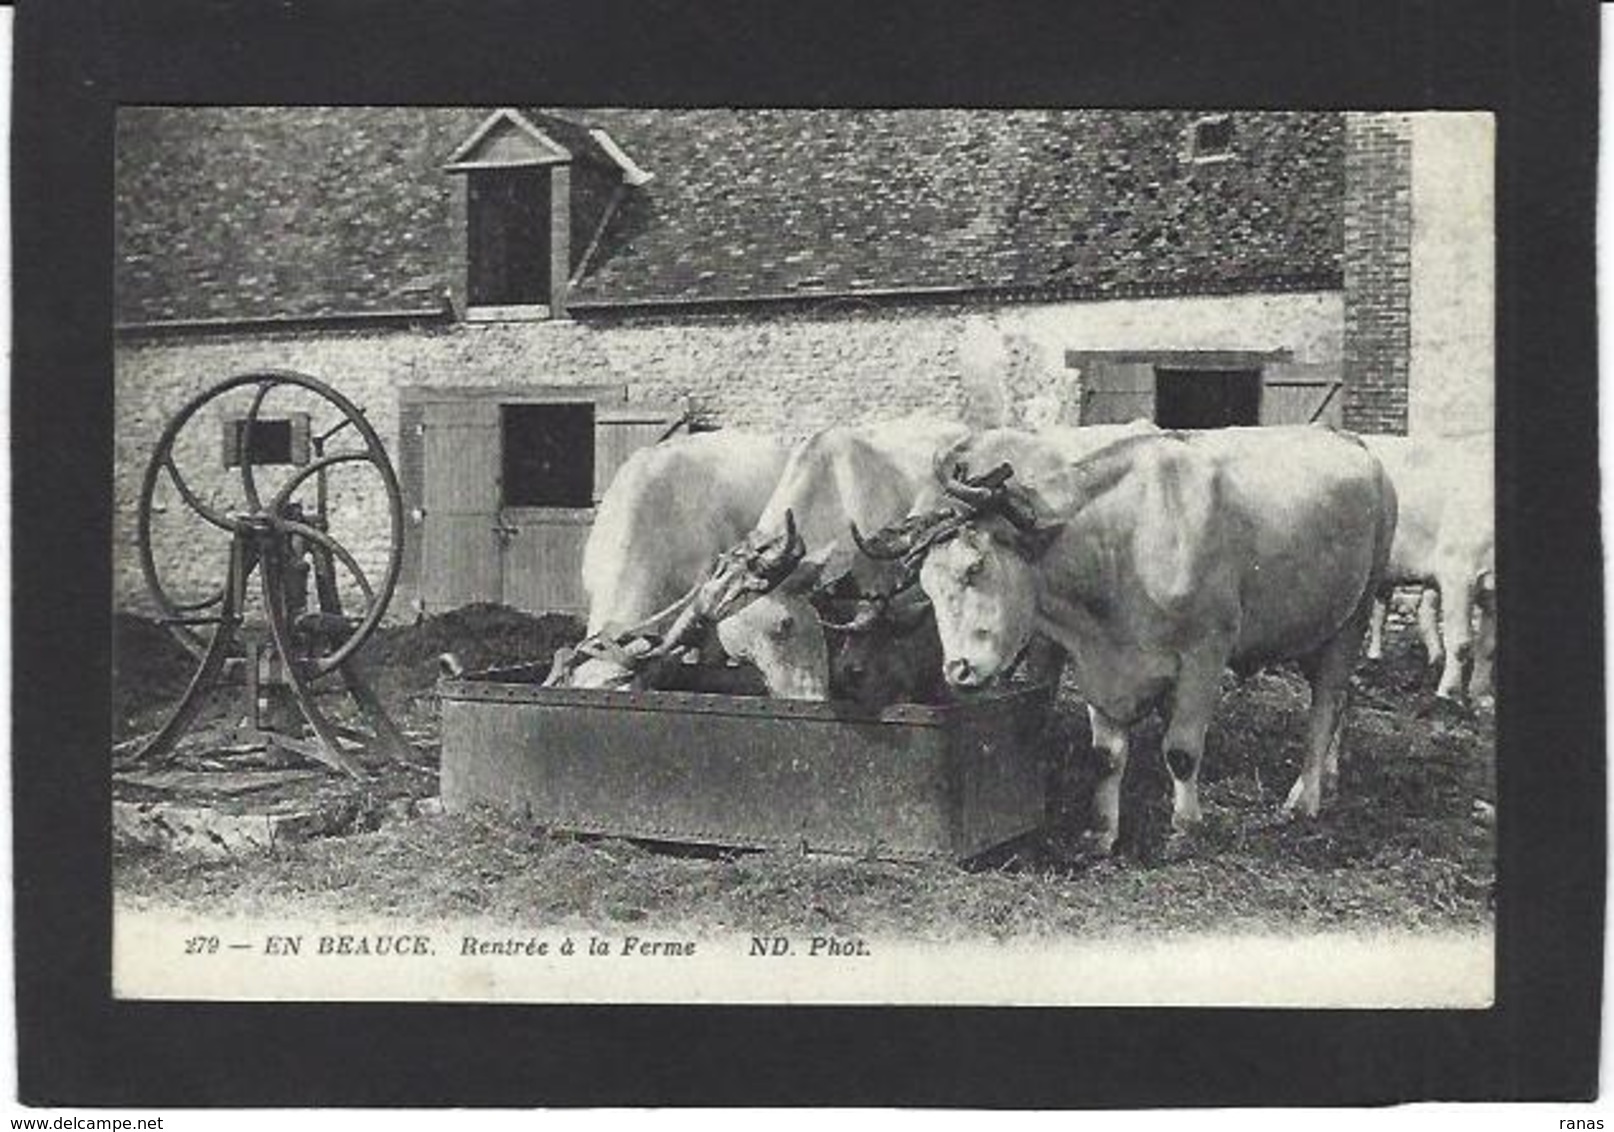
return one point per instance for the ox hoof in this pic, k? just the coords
(1298, 807)
(1180, 845)
(1095, 844)
(1444, 708)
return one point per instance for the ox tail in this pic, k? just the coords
(1376, 590)
(1389, 516)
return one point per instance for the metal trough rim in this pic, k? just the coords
(500, 686)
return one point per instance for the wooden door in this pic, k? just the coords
(1302, 393)
(1115, 392)
(543, 563)
(621, 430)
(460, 544)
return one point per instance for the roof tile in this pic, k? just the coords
(242, 212)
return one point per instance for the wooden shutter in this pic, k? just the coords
(1302, 393)
(411, 457)
(460, 547)
(1117, 392)
(621, 430)
(543, 561)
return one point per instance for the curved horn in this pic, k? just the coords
(977, 492)
(884, 545)
(776, 564)
(945, 461)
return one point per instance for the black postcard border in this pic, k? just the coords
(1533, 63)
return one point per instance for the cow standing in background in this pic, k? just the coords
(1157, 563)
(670, 509)
(1445, 539)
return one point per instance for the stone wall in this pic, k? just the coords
(1452, 367)
(787, 373)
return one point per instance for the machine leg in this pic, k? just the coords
(388, 738)
(330, 751)
(185, 713)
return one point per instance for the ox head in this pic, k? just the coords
(757, 598)
(888, 651)
(975, 560)
(600, 662)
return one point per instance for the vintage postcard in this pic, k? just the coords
(1034, 557)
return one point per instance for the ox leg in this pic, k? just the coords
(1429, 633)
(1457, 607)
(1375, 629)
(1110, 744)
(1193, 702)
(1479, 682)
(1329, 674)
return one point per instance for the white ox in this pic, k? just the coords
(1157, 563)
(866, 474)
(1061, 446)
(1445, 539)
(1058, 448)
(669, 510)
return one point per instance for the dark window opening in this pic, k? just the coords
(508, 219)
(272, 440)
(1207, 398)
(1213, 137)
(548, 455)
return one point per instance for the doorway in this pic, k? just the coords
(1206, 398)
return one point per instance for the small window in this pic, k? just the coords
(272, 440)
(508, 217)
(1211, 139)
(548, 455)
(1207, 398)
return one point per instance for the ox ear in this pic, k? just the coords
(1036, 541)
(908, 611)
(559, 667)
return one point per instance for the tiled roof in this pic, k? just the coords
(237, 212)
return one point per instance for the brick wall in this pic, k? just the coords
(1377, 271)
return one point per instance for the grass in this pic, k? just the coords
(1397, 845)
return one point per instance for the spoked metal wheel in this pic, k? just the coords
(285, 512)
(286, 437)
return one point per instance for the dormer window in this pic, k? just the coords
(521, 254)
(1211, 138)
(508, 218)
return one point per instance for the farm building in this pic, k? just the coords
(518, 298)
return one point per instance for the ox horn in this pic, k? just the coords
(886, 545)
(977, 492)
(774, 565)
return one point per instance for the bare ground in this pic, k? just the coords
(1398, 846)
